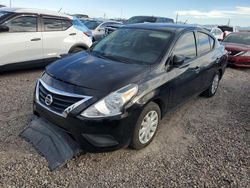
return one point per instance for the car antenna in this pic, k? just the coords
(59, 10)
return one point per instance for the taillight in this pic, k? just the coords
(89, 34)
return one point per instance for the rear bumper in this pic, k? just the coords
(94, 135)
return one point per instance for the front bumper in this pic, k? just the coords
(239, 61)
(95, 135)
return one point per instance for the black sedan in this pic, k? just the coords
(115, 94)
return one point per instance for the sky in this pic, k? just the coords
(190, 11)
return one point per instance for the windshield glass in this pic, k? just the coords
(92, 24)
(133, 45)
(140, 19)
(238, 38)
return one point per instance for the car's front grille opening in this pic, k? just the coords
(58, 102)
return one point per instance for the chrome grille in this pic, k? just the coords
(60, 101)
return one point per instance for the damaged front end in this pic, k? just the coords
(52, 142)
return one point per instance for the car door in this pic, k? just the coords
(185, 79)
(207, 60)
(23, 42)
(58, 36)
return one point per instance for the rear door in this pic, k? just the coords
(58, 36)
(23, 42)
(185, 81)
(206, 57)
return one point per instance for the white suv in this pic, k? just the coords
(33, 37)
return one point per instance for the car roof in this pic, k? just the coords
(151, 17)
(35, 11)
(165, 27)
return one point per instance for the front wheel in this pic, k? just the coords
(213, 87)
(146, 126)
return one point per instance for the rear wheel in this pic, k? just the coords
(146, 126)
(213, 87)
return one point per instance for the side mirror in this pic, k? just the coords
(178, 60)
(4, 28)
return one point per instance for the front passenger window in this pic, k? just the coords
(23, 24)
(186, 46)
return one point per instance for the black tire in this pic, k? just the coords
(210, 92)
(76, 50)
(135, 141)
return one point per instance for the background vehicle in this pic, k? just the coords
(136, 84)
(80, 16)
(218, 34)
(32, 37)
(139, 19)
(238, 46)
(97, 27)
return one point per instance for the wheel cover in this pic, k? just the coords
(215, 83)
(148, 126)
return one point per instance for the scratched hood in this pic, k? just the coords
(86, 70)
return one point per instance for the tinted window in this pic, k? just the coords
(186, 46)
(133, 45)
(66, 24)
(203, 43)
(23, 24)
(51, 24)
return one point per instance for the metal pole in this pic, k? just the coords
(10, 3)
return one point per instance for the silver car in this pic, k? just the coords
(97, 27)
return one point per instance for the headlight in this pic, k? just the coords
(113, 104)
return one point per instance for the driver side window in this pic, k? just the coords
(186, 46)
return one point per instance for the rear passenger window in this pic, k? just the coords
(23, 24)
(53, 24)
(66, 24)
(186, 46)
(203, 43)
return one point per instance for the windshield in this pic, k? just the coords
(92, 24)
(141, 19)
(133, 45)
(238, 38)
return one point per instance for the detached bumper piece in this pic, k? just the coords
(52, 142)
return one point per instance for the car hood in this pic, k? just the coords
(88, 71)
(236, 47)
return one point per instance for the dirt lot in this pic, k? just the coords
(205, 143)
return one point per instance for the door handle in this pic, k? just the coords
(35, 39)
(197, 69)
(72, 34)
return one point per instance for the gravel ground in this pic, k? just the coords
(205, 143)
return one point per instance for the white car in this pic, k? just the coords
(98, 27)
(32, 37)
(217, 32)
